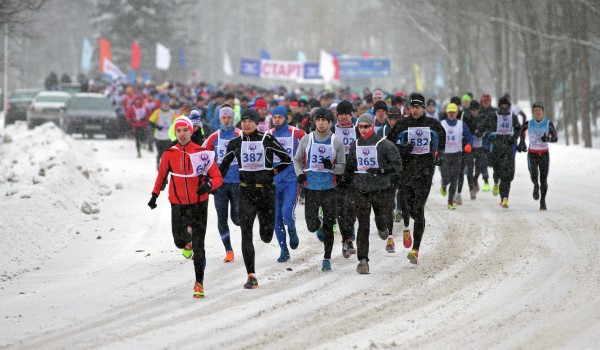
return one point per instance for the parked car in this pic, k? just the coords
(89, 114)
(17, 104)
(46, 106)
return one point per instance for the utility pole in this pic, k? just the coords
(5, 85)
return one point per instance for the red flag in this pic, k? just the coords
(336, 64)
(104, 52)
(136, 55)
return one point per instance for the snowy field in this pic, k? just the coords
(84, 263)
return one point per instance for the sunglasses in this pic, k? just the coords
(364, 126)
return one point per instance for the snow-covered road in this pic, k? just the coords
(487, 277)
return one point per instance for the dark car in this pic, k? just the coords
(17, 104)
(90, 114)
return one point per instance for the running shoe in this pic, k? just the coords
(473, 193)
(457, 199)
(407, 238)
(284, 256)
(326, 267)
(229, 256)
(363, 267)
(252, 282)
(348, 249)
(390, 247)
(536, 192)
(443, 191)
(495, 190)
(505, 203)
(413, 256)
(543, 205)
(198, 290)
(187, 251)
(486, 187)
(451, 206)
(294, 240)
(383, 234)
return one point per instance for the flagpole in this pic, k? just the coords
(5, 84)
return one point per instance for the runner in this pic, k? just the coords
(286, 185)
(193, 174)
(321, 160)
(254, 152)
(423, 145)
(226, 197)
(541, 131)
(371, 162)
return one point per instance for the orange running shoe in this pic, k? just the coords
(187, 251)
(229, 256)
(407, 238)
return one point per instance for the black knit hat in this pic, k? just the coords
(323, 113)
(416, 99)
(503, 100)
(474, 105)
(250, 113)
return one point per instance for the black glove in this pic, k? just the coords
(204, 188)
(327, 164)
(544, 138)
(159, 127)
(439, 158)
(152, 203)
(521, 147)
(301, 178)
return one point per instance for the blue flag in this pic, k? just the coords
(86, 55)
(182, 62)
(264, 55)
(439, 79)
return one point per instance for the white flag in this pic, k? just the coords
(163, 57)
(112, 71)
(326, 66)
(227, 68)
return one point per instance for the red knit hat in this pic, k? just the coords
(260, 103)
(184, 122)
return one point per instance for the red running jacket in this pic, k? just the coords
(189, 166)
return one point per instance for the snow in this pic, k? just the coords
(487, 277)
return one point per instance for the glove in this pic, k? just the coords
(468, 148)
(521, 147)
(327, 164)
(301, 178)
(544, 138)
(159, 127)
(204, 188)
(152, 203)
(439, 158)
(407, 147)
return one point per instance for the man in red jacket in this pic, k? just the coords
(137, 116)
(194, 173)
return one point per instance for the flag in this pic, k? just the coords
(104, 53)
(227, 69)
(136, 55)
(163, 57)
(264, 55)
(182, 62)
(112, 70)
(131, 77)
(417, 70)
(86, 55)
(302, 56)
(329, 66)
(439, 79)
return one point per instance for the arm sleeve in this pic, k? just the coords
(524, 132)
(299, 156)
(340, 157)
(552, 131)
(467, 134)
(276, 149)
(163, 171)
(215, 175)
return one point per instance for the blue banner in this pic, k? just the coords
(250, 67)
(311, 70)
(365, 68)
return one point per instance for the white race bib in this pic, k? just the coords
(201, 162)
(421, 137)
(253, 156)
(504, 125)
(348, 135)
(366, 158)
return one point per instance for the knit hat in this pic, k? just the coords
(452, 108)
(226, 111)
(466, 98)
(380, 105)
(260, 103)
(280, 110)
(251, 114)
(417, 99)
(474, 105)
(184, 122)
(344, 107)
(455, 99)
(394, 112)
(537, 105)
(365, 118)
(195, 118)
(323, 113)
(503, 101)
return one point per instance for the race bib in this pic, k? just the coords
(253, 156)
(318, 153)
(348, 135)
(201, 162)
(504, 124)
(221, 149)
(288, 144)
(421, 137)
